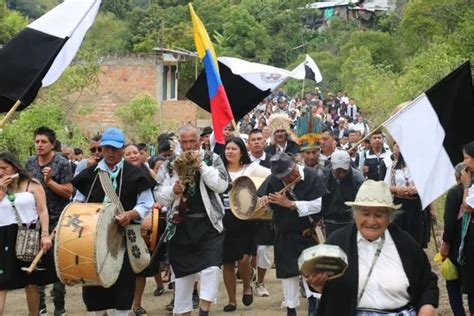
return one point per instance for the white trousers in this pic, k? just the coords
(208, 288)
(115, 312)
(264, 257)
(291, 293)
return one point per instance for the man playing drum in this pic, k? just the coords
(292, 211)
(133, 188)
(195, 233)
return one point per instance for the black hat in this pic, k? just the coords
(206, 131)
(281, 164)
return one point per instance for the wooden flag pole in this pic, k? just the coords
(10, 113)
(302, 90)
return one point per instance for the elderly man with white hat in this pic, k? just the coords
(293, 212)
(342, 182)
(388, 273)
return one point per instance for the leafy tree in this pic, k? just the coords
(382, 47)
(108, 35)
(138, 117)
(11, 22)
(17, 136)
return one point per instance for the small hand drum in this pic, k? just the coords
(323, 258)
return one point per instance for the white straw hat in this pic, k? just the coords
(374, 194)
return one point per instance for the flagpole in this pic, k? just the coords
(404, 106)
(10, 113)
(302, 90)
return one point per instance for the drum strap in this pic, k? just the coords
(136, 248)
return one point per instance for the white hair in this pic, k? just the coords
(189, 128)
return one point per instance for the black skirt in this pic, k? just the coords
(119, 296)
(195, 246)
(11, 275)
(239, 238)
(410, 218)
(288, 247)
(265, 233)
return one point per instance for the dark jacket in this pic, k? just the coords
(452, 226)
(339, 296)
(291, 148)
(333, 206)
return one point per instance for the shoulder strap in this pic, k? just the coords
(109, 190)
(17, 214)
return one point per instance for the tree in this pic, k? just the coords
(108, 35)
(11, 22)
(138, 117)
(382, 47)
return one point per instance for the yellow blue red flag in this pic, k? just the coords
(220, 108)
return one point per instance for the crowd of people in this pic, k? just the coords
(337, 175)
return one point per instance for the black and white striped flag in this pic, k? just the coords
(37, 56)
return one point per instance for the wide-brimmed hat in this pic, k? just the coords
(374, 194)
(281, 164)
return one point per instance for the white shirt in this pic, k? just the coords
(26, 206)
(470, 197)
(261, 158)
(306, 208)
(388, 283)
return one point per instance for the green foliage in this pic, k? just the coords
(107, 35)
(33, 8)
(11, 22)
(382, 47)
(139, 119)
(17, 136)
(423, 20)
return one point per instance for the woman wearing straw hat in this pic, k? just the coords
(388, 272)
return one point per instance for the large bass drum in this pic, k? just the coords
(90, 245)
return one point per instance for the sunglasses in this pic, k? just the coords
(95, 149)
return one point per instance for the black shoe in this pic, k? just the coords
(230, 308)
(203, 313)
(195, 299)
(170, 306)
(247, 299)
(59, 311)
(170, 285)
(43, 310)
(159, 291)
(290, 311)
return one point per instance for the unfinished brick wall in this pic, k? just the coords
(121, 79)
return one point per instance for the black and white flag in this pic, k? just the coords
(432, 130)
(37, 56)
(247, 83)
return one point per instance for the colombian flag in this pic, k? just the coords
(220, 107)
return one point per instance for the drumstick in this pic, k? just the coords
(35, 261)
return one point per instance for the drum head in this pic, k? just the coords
(110, 246)
(243, 197)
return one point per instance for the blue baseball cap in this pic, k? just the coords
(112, 137)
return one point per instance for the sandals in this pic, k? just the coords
(159, 291)
(247, 299)
(230, 308)
(139, 311)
